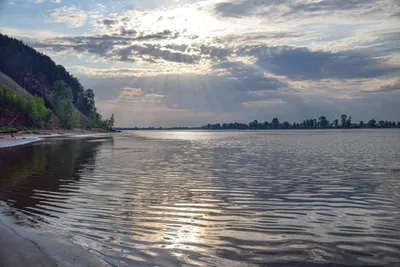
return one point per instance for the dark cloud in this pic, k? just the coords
(108, 22)
(302, 63)
(98, 45)
(120, 45)
(155, 52)
(386, 43)
(251, 78)
(386, 88)
(166, 34)
(292, 8)
(127, 32)
(265, 35)
(125, 54)
(292, 62)
(258, 37)
(214, 52)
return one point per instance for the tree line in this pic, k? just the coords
(320, 123)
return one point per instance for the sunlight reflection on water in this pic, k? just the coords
(202, 198)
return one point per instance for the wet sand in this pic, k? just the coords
(22, 139)
(23, 247)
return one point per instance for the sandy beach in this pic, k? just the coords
(22, 138)
(26, 247)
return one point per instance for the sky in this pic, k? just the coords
(193, 62)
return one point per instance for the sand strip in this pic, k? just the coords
(22, 139)
(23, 247)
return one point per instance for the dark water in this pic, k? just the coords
(298, 198)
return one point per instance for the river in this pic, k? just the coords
(210, 198)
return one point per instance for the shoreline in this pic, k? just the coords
(22, 138)
(23, 246)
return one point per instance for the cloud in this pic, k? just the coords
(214, 52)
(247, 63)
(250, 77)
(263, 103)
(71, 15)
(166, 34)
(118, 47)
(198, 92)
(279, 10)
(53, 1)
(139, 96)
(154, 52)
(260, 36)
(108, 22)
(127, 32)
(224, 96)
(385, 88)
(302, 63)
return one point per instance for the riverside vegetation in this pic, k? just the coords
(320, 123)
(48, 95)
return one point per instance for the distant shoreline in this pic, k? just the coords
(250, 130)
(309, 124)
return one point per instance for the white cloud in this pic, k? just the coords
(53, 1)
(29, 35)
(71, 15)
(263, 103)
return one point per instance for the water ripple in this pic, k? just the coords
(215, 198)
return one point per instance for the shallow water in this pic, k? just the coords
(290, 198)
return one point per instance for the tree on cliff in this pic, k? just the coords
(40, 76)
(62, 99)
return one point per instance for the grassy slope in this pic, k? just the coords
(10, 83)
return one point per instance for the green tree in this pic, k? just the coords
(323, 122)
(348, 122)
(275, 123)
(344, 120)
(372, 123)
(111, 121)
(286, 125)
(336, 123)
(62, 99)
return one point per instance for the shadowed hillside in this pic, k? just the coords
(29, 73)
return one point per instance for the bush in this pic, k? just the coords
(33, 108)
(8, 129)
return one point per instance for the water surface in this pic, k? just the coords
(165, 198)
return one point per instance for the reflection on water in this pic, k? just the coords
(215, 198)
